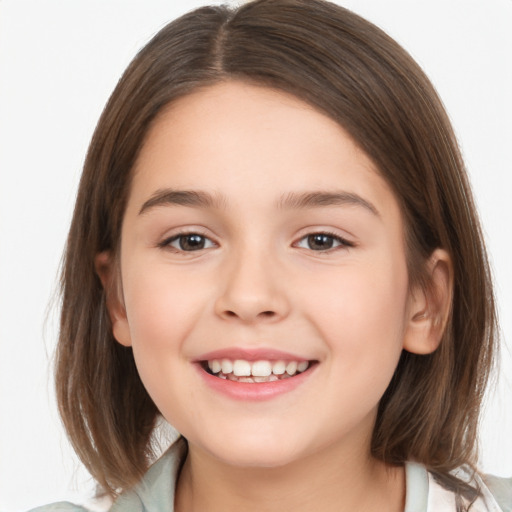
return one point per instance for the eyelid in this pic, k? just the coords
(343, 243)
(165, 243)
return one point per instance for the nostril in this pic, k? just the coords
(265, 314)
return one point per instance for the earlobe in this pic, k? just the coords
(108, 274)
(430, 306)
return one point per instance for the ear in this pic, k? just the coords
(108, 272)
(429, 306)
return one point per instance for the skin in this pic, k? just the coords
(258, 283)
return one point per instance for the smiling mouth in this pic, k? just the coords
(240, 370)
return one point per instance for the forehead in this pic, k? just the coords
(237, 140)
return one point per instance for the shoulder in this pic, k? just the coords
(494, 493)
(424, 493)
(155, 490)
(62, 506)
(501, 490)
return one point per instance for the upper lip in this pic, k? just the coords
(265, 354)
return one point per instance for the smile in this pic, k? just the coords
(240, 370)
(254, 374)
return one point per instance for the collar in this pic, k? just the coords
(155, 492)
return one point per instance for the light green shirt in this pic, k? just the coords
(155, 492)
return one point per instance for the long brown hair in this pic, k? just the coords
(353, 72)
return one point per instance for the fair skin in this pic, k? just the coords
(290, 242)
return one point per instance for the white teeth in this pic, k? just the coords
(214, 366)
(303, 366)
(291, 368)
(226, 366)
(258, 371)
(234, 378)
(270, 378)
(261, 369)
(242, 368)
(278, 368)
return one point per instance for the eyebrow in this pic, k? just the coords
(193, 198)
(320, 199)
(292, 200)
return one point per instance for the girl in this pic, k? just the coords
(275, 248)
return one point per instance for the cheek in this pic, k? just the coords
(162, 308)
(361, 314)
(161, 305)
(363, 328)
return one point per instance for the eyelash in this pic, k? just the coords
(342, 243)
(337, 241)
(167, 243)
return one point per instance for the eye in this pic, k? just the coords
(323, 242)
(188, 242)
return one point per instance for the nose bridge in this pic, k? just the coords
(253, 290)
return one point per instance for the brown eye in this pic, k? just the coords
(322, 242)
(189, 242)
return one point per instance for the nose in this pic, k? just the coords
(253, 289)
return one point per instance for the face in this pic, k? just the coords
(263, 275)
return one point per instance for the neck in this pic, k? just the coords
(337, 479)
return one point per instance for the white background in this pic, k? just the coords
(59, 61)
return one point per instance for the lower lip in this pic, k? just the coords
(258, 391)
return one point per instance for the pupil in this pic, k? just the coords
(320, 241)
(191, 242)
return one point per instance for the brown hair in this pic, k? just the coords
(354, 73)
